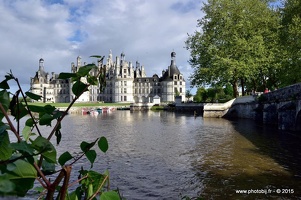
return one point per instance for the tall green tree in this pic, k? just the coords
(291, 41)
(237, 44)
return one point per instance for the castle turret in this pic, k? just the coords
(117, 67)
(41, 64)
(143, 71)
(78, 61)
(173, 58)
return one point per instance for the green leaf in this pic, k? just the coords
(85, 146)
(23, 147)
(23, 170)
(91, 155)
(37, 109)
(11, 166)
(64, 75)
(58, 136)
(109, 195)
(20, 111)
(84, 70)
(6, 186)
(4, 99)
(26, 132)
(49, 109)
(65, 157)
(4, 85)
(48, 168)
(57, 114)
(3, 127)
(29, 122)
(97, 56)
(5, 149)
(92, 80)
(45, 147)
(79, 87)
(46, 119)
(33, 96)
(9, 76)
(90, 190)
(75, 195)
(22, 186)
(103, 144)
(23, 176)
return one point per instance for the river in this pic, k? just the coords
(167, 155)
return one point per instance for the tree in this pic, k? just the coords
(237, 44)
(201, 95)
(32, 156)
(290, 36)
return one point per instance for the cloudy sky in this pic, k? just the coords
(60, 30)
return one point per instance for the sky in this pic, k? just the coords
(60, 30)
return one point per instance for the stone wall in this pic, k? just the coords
(288, 93)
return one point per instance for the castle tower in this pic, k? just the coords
(173, 58)
(172, 62)
(41, 64)
(78, 61)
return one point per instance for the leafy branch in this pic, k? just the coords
(34, 156)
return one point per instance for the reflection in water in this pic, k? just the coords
(165, 155)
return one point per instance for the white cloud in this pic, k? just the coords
(59, 31)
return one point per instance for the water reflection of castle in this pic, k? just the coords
(124, 83)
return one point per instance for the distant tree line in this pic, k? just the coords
(213, 94)
(247, 44)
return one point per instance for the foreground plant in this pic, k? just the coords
(28, 155)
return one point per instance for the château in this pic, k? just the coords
(125, 83)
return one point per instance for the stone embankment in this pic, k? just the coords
(281, 108)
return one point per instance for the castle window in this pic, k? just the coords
(180, 82)
(175, 83)
(175, 76)
(180, 77)
(125, 98)
(180, 90)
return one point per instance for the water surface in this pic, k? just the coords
(167, 155)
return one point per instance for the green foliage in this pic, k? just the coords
(103, 144)
(238, 44)
(290, 34)
(213, 94)
(32, 156)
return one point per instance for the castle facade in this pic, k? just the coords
(125, 83)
